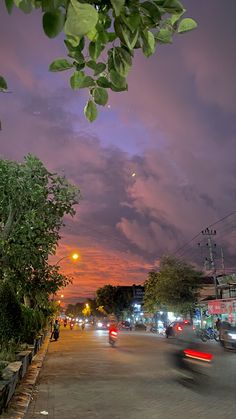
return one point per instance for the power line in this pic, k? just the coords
(197, 235)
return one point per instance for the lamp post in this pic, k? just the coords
(74, 256)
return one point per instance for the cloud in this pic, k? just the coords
(174, 128)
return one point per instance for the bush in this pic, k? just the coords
(29, 327)
(10, 315)
(34, 321)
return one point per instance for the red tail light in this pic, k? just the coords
(202, 356)
(179, 328)
(114, 334)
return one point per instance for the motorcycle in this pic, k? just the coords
(56, 335)
(191, 365)
(113, 337)
(209, 334)
(71, 326)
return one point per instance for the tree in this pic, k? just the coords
(150, 302)
(101, 37)
(37, 287)
(10, 315)
(33, 203)
(114, 299)
(175, 286)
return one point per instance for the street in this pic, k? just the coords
(83, 377)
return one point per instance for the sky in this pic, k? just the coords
(175, 129)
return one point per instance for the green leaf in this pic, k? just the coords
(151, 9)
(132, 21)
(172, 6)
(3, 84)
(77, 55)
(60, 65)
(176, 16)
(81, 19)
(111, 36)
(100, 96)
(9, 5)
(119, 89)
(92, 35)
(80, 66)
(117, 80)
(131, 38)
(149, 43)
(100, 67)
(79, 80)
(117, 6)
(186, 25)
(95, 49)
(164, 36)
(103, 82)
(122, 60)
(24, 5)
(90, 111)
(53, 23)
(91, 64)
(72, 42)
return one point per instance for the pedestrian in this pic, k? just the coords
(217, 324)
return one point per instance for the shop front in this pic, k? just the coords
(224, 309)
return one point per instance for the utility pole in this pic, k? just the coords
(209, 233)
(222, 260)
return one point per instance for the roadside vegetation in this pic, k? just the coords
(33, 203)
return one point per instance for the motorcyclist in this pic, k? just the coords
(113, 333)
(185, 340)
(56, 330)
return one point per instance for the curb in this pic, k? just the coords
(19, 403)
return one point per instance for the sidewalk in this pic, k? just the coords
(19, 403)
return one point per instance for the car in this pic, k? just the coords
(176, 327)
(124, 325)
(228, 339)
(102, 325)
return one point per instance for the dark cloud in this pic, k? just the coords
(174, 128)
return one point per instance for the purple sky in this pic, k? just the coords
(175, 128)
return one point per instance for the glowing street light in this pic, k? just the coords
(74, 256)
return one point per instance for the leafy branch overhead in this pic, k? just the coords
(101, 37)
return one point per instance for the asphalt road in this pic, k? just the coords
(84, 378)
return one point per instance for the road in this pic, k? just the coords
(84, 378)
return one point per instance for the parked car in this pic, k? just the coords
(228, 339)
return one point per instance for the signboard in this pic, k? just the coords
(222, 307)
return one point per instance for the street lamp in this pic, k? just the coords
(74, 256)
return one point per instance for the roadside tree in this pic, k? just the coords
(176, 286)
(114, 299)
(33, 203)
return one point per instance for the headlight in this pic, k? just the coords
(232, 335)
(99, 324)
